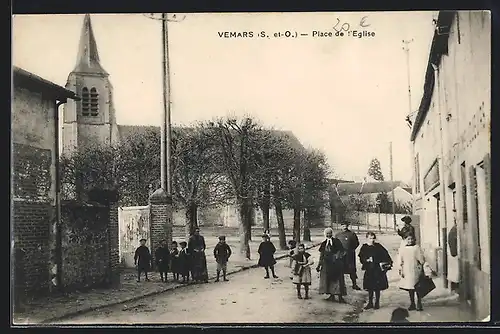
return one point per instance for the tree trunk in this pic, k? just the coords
(332, 213)
(265, 217)
(281, 223)
(244, 229)
(191, 218)
(265, 206)
(307, 225)
(249, 217)
(296, 223)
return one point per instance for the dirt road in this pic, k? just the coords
(246, 298)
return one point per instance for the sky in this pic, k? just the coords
(346, 96)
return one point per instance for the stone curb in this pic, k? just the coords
(149, 294)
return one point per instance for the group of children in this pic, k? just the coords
(373, 256)
(375, 261)
(168, 260)
(178, 262)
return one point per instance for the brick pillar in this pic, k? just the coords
(160, 218)
(114, 258)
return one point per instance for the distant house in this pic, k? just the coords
(342, 192)
(370, 191)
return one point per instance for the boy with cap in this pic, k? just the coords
(222, 252)
(142, 259)
(184, 262)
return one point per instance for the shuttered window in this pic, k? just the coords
(94, 102)
(483, 213)
(417, 175)
(85, 101)
(90, 102)
(480, 209)
(474, 215)
(465, 208)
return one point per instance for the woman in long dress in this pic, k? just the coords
(410, 263)
(375, 260)
(330, 267)
(302, 262)
(196, 248)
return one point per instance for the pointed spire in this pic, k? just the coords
(88, 56)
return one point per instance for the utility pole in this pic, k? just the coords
(166, 174)
(166, 126)
(392, 191)
(378, 210)
(406, 48)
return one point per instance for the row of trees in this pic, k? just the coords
(225, 161)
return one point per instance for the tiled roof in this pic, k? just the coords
(21, 77)
(345, 189)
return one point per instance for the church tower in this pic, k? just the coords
(91, 120)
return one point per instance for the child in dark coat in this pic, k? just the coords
(222, 252)
(162, 257)
(142, 259)
(375, 260)
(183, 262)
(266, 255)
(174, 261)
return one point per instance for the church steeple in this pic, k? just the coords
(88, 56)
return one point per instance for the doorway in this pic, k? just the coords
(441, 239)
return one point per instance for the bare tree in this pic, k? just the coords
(240, 146)
(197, 181)
(315, 187)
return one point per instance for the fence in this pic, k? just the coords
(372, 221)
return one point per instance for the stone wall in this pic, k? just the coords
(114, 247)
(33, 213)
(31, 234)
(85, 245)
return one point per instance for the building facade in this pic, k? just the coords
(451, 152)
(34, 199)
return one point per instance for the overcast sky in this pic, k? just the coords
(346, 96)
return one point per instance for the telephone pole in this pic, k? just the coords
(392, 191)
(166, 126)
(166, 132)
(406, 48)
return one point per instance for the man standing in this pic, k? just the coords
(406, 229)
(350, 242)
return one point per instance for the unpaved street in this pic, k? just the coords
(246, 298)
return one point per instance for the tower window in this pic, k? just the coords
(85, 102)
(94, 102)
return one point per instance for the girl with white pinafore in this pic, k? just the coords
(409, 262)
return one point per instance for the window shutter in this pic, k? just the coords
(85, 101)
(487, 181)
(473, 215)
